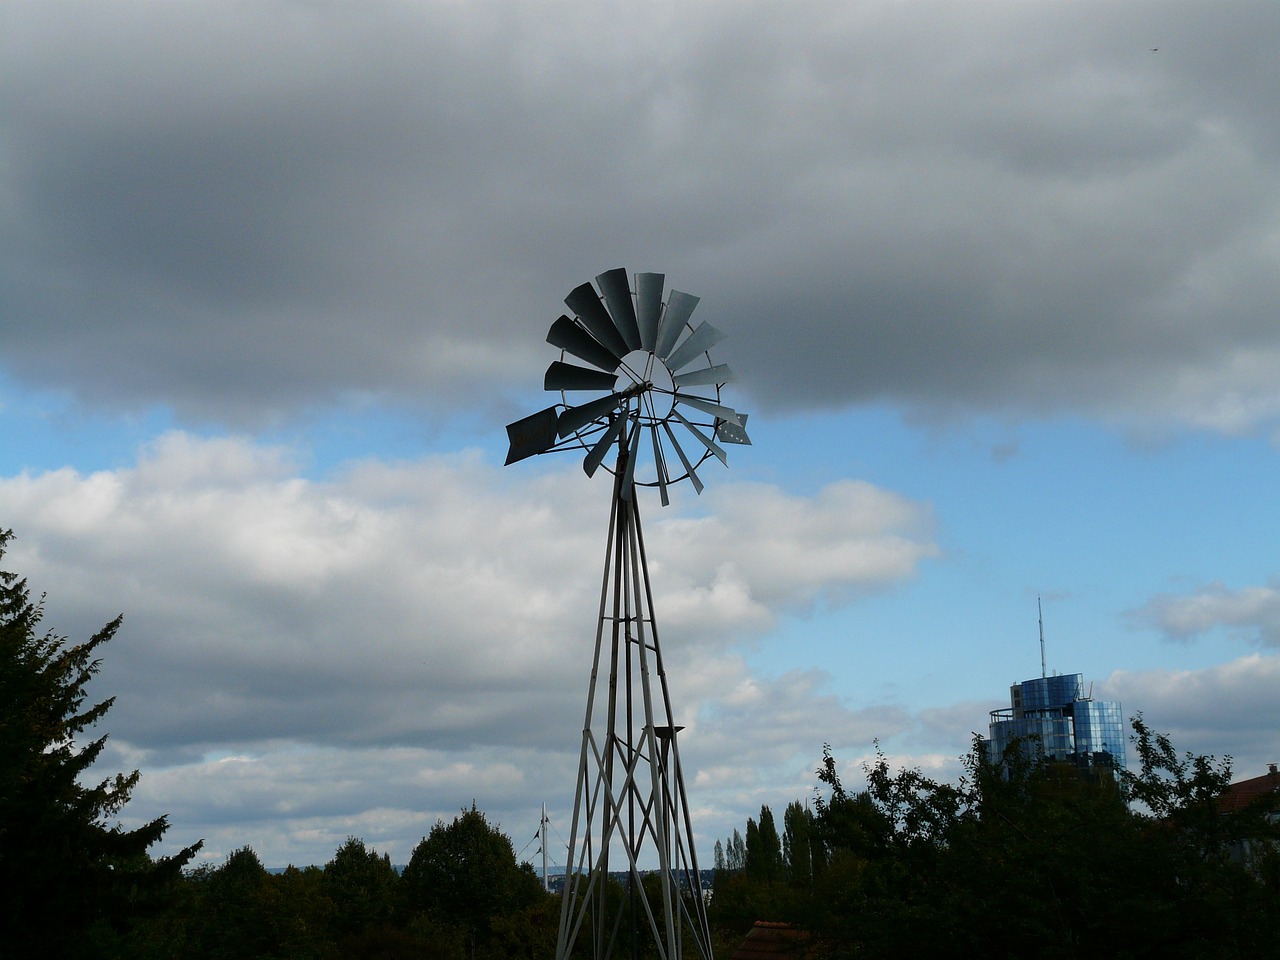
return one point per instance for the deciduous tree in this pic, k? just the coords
(465, 873)
(361, 884)
(797, 843)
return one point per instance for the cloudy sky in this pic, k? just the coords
(1000, 287)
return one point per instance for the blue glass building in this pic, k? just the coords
(1051, 717)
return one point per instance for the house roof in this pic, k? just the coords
(774, 941)
(1240, 795)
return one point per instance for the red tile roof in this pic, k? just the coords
(1240, 795)
(774, 941)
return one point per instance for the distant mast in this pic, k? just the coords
(542, 830)
(1040, 613)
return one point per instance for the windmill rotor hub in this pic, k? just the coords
(642, 374)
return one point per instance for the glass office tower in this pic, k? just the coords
(1051, 717)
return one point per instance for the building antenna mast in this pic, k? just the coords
(1040, 613)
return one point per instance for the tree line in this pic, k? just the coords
(1021, 858)
(462, 895)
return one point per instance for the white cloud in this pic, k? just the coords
(297, 804)
(280, 631)
(1229, 709)
(1252, 612)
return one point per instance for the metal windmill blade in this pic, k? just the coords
(653, 370)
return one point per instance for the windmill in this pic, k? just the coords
(659, 387)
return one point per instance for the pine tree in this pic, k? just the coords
(72, 882)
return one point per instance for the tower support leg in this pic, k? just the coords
(630, 806)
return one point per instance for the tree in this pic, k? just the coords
(233, 915)
(72, 880)
(764, 848)
(797, 843)
(1040, 858)
(465, 874)
(735, 855)
(1183, 791)
(239, 910)
(362, 886)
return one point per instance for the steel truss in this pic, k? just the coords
(630, 796)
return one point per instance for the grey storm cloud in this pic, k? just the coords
(240, 210)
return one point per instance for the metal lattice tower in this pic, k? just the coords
(630, 799)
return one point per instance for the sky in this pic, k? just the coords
(998, 281)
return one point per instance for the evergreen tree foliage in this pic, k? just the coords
(73, 880)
